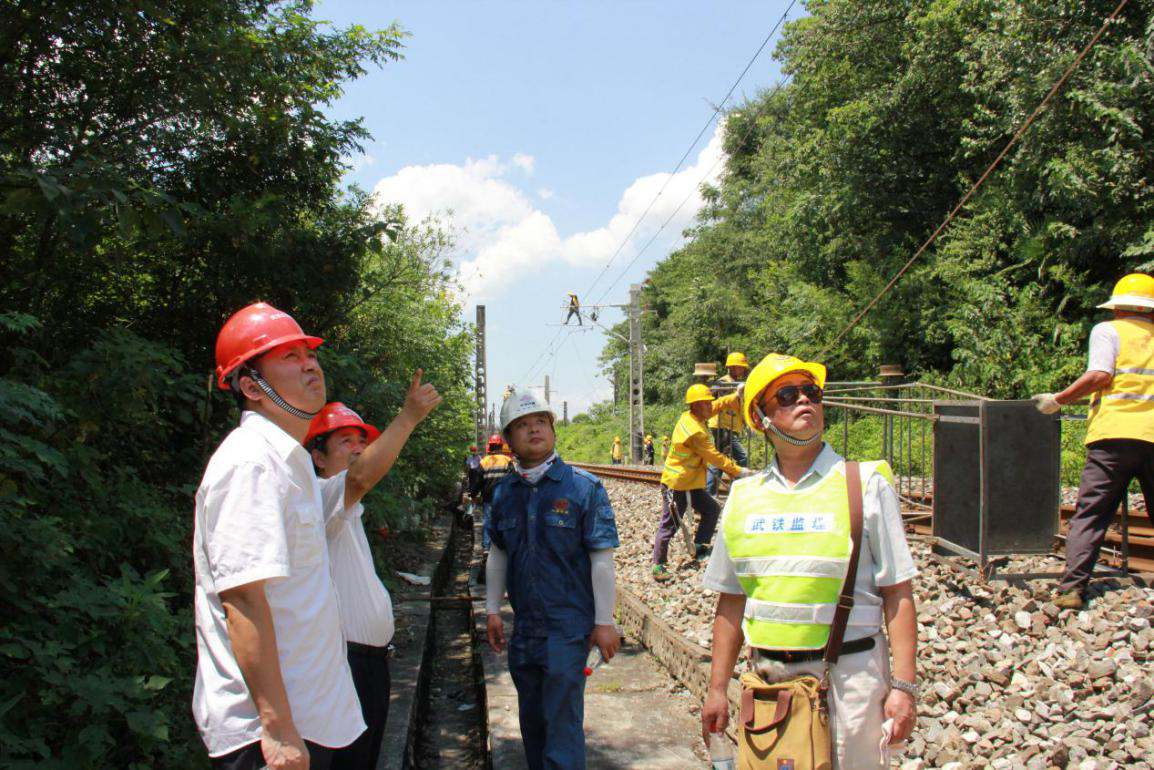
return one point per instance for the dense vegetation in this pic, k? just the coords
(892, 110)
(162, 165)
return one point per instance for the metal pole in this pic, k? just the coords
(547, 389)
(480, 381)
(636, 366)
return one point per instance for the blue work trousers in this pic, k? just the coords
(485, 527)
(548, 672)
(734, 449)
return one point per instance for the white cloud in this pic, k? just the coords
(504, 237)
(524, 162)
(357, 162)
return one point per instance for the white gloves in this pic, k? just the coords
(745, 473)
(1046, 403)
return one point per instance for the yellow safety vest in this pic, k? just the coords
(791, 551)
(1125, 408)
(728, 418)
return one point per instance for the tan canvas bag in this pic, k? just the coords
(785, 725)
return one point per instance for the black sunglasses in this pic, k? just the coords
(788, 395)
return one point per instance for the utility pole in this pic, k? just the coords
(547, 389)
(564, 412)
(636, 377)
(480, 381)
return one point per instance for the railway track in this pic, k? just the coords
(920, 521)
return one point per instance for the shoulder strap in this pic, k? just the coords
(845, 601)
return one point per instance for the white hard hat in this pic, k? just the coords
(520, 403)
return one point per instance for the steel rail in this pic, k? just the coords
(1141, 538)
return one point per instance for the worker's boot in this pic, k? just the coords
(1070, 600)
(661, 574)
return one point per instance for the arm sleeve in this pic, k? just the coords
(496, 575)
(893, 562)
(246, 532)
(599, 529)
(730, 403)
(1105, 345)
(702, 444)
(604, 586)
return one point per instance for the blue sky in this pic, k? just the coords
(547, 128)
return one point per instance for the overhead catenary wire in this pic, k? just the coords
(717, 111)
(692, 191)
(981, 180)
(552, 346)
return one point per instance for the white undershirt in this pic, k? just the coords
(1105, 347)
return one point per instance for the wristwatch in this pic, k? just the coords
(907, 687)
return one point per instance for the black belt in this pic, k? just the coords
(372, 651)
(798, 656)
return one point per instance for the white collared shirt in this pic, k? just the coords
(885, 558)
(259, 517)
(366, 610)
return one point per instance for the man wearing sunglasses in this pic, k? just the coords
(782, 554)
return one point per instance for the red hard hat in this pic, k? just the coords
(336, 416)
(495, 441)
(253, 330)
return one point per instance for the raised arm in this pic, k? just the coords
(368, 469)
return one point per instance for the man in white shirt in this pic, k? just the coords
(351, 457)
(273, 686)
(783, 398)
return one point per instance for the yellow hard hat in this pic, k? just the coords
(649, 436)
(698, 393)
(771, 367)
(1133, 291)
(736, 359)
(616, 439)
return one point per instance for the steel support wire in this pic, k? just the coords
(981, 180)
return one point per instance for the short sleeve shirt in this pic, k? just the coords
(259, 518)
(885, 558)
(366, 609)
(547, 530)
(1105, 346)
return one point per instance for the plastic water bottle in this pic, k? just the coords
(721, 752)
(593, 660)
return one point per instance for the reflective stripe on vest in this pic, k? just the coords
(1124, 408)
(807, 614)
(791, 551)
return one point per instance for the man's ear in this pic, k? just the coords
(319, 458)
(249, 388)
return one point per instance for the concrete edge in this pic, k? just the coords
(409, 677)
(688, 662)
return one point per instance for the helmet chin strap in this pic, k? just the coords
(768, 425)
(276, 397)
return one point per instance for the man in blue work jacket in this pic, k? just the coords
(553, 533)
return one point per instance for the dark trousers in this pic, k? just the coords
(370, 670)
(251, 758)
(549, 674)
(1110, 466)
(673, 508)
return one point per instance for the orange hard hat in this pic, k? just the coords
(335, 416)
(251, 331)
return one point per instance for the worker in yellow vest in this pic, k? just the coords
(616, 454)
(1120, 436)
(683, 478)
(780, 561)
(727, 425)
